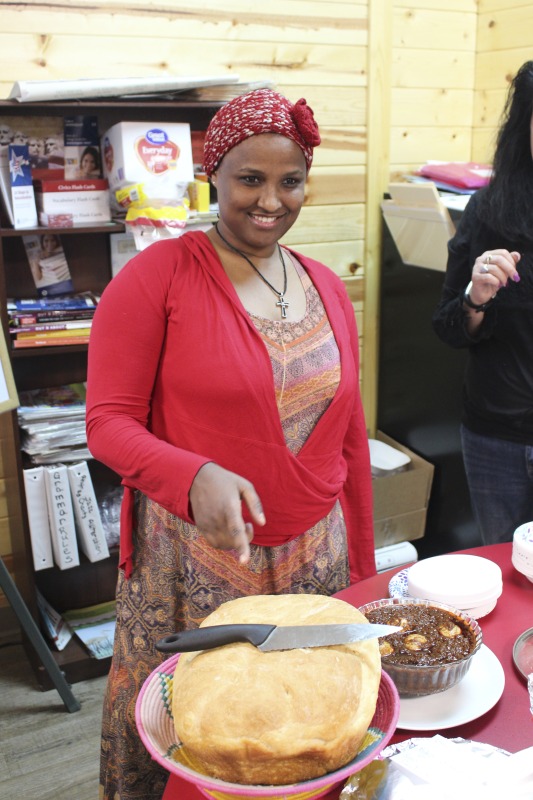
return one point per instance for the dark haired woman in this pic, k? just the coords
(487, 306)
(223, 387)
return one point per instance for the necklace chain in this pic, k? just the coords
(282, 303)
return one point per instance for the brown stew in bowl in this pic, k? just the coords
(429, 635)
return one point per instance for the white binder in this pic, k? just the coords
(37, 508)
(87, 514)
(61, 516)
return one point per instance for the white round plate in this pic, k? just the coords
(398, 584)
(477, 693)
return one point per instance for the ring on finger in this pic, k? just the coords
(488, 259)
(484, 268)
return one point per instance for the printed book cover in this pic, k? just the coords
(43, 137)
(48, 264)
(82, 147)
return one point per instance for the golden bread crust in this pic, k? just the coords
(279, 717)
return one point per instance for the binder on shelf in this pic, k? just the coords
(91, 534)
(61, 515)
(37, 508)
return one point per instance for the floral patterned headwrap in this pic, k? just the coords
(260, 111)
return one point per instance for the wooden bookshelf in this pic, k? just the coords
(88, 254)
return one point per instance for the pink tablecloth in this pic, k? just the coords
(509, 724)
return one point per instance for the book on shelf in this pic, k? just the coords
(51, 338)
(22, 194)
(57, 628)
(81, 301)
(18, 319)
(61, 516)
(42, 327)
(38, 521)
(48, 264)
(82, 147)
(95, 626)
(43, 136)
(91, 534)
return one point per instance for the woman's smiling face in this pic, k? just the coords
(260, 185)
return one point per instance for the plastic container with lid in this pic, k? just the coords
(386, 460)
(469, 583)
(522, 553)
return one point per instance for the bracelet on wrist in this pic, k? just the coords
(470, 304)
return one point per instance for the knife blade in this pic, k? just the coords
(272, 637)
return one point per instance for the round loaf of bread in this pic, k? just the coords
(277, 717)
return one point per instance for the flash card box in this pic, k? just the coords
(84, 202)
(155, 154)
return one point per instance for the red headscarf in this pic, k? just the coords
(260, 111)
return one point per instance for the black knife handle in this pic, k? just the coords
(213, 636)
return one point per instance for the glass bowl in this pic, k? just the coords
(417, 680)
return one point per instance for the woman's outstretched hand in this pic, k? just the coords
(216, 496)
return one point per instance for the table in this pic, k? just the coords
(509, 724)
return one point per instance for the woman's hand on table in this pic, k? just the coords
(216, 497)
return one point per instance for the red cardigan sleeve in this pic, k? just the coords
(126, 340)
(356, 498)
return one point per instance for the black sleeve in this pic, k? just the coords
(449, 317)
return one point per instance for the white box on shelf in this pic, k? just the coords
(157, 155)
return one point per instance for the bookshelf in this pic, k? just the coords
(88, 254)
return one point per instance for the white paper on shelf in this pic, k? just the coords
(33, 91)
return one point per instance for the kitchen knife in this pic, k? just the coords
(272, 637)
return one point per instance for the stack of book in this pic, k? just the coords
(52, 424)
(51, 321)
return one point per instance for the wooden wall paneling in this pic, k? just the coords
(344, 258)
(506, 27)
(327, 224)
(416, 106)
(280, 61)
(442, 30)
(378, 144)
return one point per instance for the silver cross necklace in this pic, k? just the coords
(282, 303)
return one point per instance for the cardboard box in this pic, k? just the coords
(401, 500)
(85, 202)
(157, 155)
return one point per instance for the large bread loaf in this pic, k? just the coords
(279, 717)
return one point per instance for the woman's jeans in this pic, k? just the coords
(500, 482)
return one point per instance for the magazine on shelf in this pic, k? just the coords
(57, 629)
(48, 264)
(51, 403)
(95, 626)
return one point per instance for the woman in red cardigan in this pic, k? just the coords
(223, 387)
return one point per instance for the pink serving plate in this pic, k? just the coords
(153, 715)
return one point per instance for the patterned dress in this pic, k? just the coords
(178, 579)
